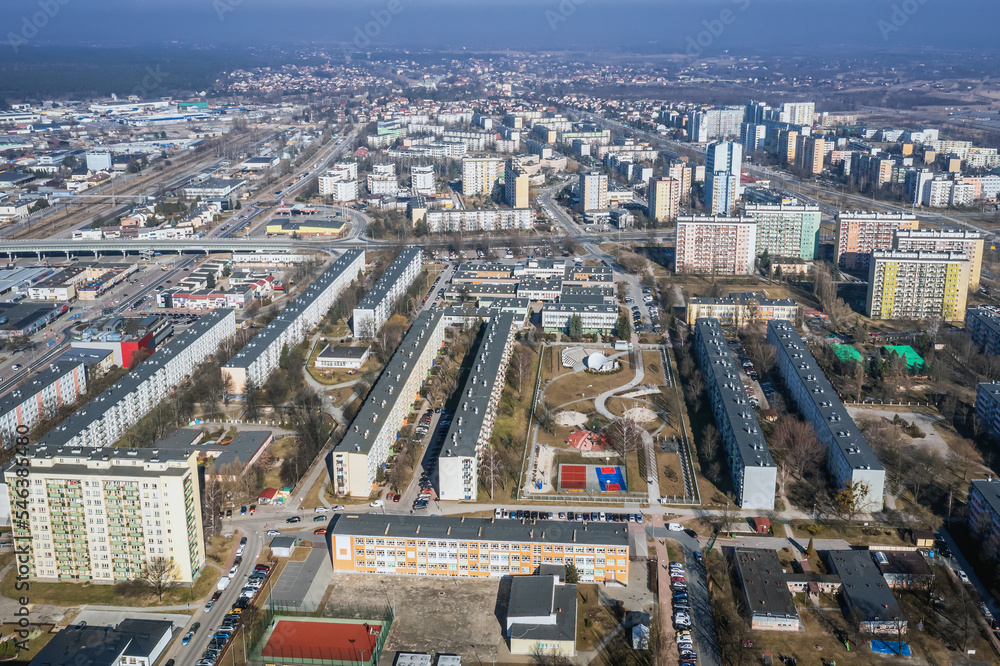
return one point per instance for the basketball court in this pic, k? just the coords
(591, 479)
(331, 642)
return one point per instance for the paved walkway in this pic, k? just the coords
(640, 372)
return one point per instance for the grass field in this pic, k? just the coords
(653, 368)
(670, 476)
(583, 385)
(593, 621)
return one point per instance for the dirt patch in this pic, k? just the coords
(642, 414)
(571, 419)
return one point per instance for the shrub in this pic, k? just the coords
(815, 529)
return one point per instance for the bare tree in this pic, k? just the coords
(159, 574)
(625, 433)
(794, 442)
(520, 366)
(710, 442)
(490, 468)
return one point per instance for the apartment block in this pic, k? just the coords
(969, 243)
(370, 438)
(340, 182)
(723, 166)
(259, 358)
(99, 514)
(479, 175)
(593, 191)
(715, 245)
(983, 514)
(750, 463)
(797, 113)
(479, 219)
(476, 547)
(597, 317)
(664, 199)
(40, 398)
(917, 285)
(422, 179)
(475, 414)
(714, 124)
(849, 457)
(786, 230)
(104, 419)
(983, 326)
(515, 184)
(376, 307)
(685, 174)
(740, 309)
(859, 233)
(810, 154)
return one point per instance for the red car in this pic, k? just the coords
(262, 567)
(396, 498)
(388, 497)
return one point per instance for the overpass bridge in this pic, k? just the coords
(69, 248)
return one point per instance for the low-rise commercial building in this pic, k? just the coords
(740, 309)
(866, 593)
(597, 317)
(101, 513)
(476, 547)
(850, 459)
(918, 285)
(133, 642)
(313, 226)
(258, 359)
(475, 414)
(541, 616)
(750, 463)
(333, 358)
(376, 307)
(766, 596)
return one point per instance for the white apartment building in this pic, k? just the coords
(340, 183)
(376, 307)
(479, 175)
(40, 398)
(849, 457)
(370, 438)
(715, 245)
(715, 124)
(723, 166)
(786, 230)
(258, 359)
(797, 113)
(104, 419)
(479, 219)
(422, 179)
(472, 422)
(382, 185)
(98, 514)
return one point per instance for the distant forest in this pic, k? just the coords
(61, 73)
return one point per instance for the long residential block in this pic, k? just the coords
(476, 410)
(369, 439)
(596, 316)
(259, 358)
(740, 309)
(715, 245)
(859, 233)
(40, 398)
(480, 219)
(376, 307)
(983, 326)
(849, 457)
(983, 515)
(918, 285)
(100, 513)
(476, 547)
(988, 406)
(750, 463)
(786, 230)
(105, 418)
(969, 243)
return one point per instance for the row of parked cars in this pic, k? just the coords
(231, 622)
(600, 516)
(682, 615)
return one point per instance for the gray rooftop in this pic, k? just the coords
(80, 645)
(742, 299)
(371, 417)
(990, 490)
(110, 453)
(544, 284)
(474, 398)
(864, 585)
(96, 408)
(987, 317)
(847, 436)
(260, 342)
(571, 292)
(764, 585)
(391, 276)
(282, 542)
(479, 529)
(38, 382)
(531, 596)
(564, 607)
(724, 376)
(352, 353)
(581, 308)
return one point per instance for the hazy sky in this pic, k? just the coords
(665, 25)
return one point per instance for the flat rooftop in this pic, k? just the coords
(393, 274)
(764, 583)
